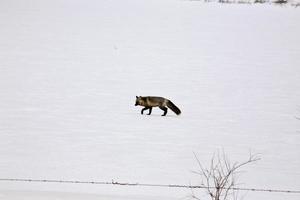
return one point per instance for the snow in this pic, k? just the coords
(70, 71)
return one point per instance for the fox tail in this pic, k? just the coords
(174, 108)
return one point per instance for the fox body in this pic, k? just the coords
(161, 102)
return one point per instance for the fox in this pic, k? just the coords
(151, 101)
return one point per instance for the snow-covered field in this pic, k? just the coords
(70, 71)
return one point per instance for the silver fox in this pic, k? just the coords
(150, 101)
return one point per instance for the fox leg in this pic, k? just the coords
(150, 110)
(165, 109)
(146, 108)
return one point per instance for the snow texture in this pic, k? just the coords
(70, 71)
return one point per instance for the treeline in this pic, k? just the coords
(275, 2)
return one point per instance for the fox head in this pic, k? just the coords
(138, 100)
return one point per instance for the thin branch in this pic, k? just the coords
(222, 175)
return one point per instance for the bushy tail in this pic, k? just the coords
(174, 108)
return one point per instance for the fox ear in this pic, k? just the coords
(136, 96)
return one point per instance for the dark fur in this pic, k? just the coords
(149, 102)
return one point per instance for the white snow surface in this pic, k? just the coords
(70, 71)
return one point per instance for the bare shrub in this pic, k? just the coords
(281, 2)
(296, 5)
(220, 178)
(261, 1)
